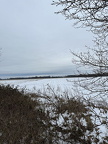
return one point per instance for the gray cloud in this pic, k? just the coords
(34, 39)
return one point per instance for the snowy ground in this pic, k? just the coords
(58, 84)
(36, 84)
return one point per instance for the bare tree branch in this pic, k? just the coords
(89, 13)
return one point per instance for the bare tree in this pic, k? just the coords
(94, 58)
(89, 13)
(94, 15)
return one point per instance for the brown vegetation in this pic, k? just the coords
(24, 119)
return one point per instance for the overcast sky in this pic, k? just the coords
(36, 40)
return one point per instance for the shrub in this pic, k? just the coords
(21, 119)
(25, 119)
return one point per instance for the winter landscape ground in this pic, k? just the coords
(50, 90)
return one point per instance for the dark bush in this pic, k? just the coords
(25, 119)
(21, 119)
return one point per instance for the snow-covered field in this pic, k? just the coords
(59, 85)
(33, 85)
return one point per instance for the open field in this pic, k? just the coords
(35, 84)
(57, 84)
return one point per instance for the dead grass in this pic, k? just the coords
(24, 119)
(20, 121)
